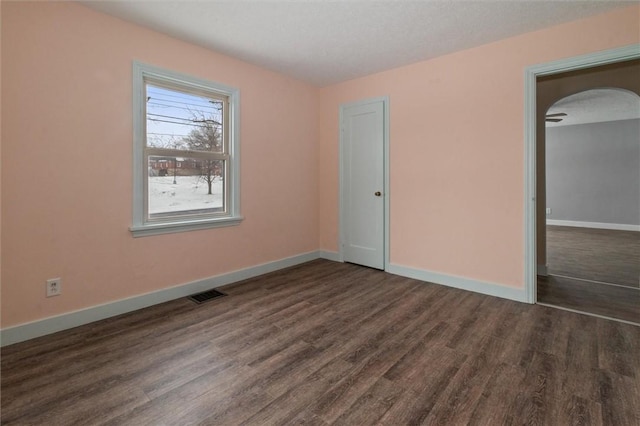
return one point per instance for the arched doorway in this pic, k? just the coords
(544, 85)
(592, 175)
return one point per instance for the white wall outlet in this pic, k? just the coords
(548, 210)
(54, 287)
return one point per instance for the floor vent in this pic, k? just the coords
(206, 296)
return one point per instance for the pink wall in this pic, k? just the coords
(0, 172)
(457, 149)
(66, 163)
(456, 158)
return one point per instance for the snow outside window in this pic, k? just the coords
(186, 156)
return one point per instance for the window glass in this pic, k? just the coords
(186, 164)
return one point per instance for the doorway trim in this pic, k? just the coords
(531, 73)
(386, 193)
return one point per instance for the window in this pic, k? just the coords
(186, 156)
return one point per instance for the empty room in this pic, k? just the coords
(592, 159)
(306, 212)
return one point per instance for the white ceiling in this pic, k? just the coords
(326, 41)
(598, 105)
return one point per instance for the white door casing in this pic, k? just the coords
(531, 74)
(363, 183)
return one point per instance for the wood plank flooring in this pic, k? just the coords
(594, 254)
(617, 302)
(578, 256)
(330, 343)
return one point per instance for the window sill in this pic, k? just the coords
(173, 227)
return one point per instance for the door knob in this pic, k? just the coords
(378, 193)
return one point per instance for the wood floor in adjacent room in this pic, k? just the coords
(603, 255)
(622, 303)
(330, 343)
(596, 271)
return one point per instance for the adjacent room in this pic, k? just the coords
(593, 203)
(313, 212)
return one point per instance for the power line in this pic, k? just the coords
(167, 134)
(163, 92)
(186, 119)
(175, 122)
(173, 106)
(171, 116)
(194, 102)
(185, 102)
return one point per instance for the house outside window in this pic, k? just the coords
(186, 153)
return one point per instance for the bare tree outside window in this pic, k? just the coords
(207, 137)
(189, 129)
(185, 135)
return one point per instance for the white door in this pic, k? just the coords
(362, 179)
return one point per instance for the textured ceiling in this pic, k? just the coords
(324, 42)
(598, 105)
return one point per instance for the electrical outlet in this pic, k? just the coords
(54, 287)
(548, 210)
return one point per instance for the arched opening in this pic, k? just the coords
(592, 203)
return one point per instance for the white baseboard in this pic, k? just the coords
(330, 255)
(597, 225)
(42, 327)
(517, 294)
(542, 270)
(22, 332)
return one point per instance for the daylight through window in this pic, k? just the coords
(188, 149)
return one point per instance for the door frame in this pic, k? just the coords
(386, 191)
(531, 73)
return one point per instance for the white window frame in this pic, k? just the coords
(141, 225)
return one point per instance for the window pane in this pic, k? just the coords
(181, 120)
(185, 185)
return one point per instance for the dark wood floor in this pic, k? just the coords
(617, 302)
(594, 254)
(581, 261)
(330, 343)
